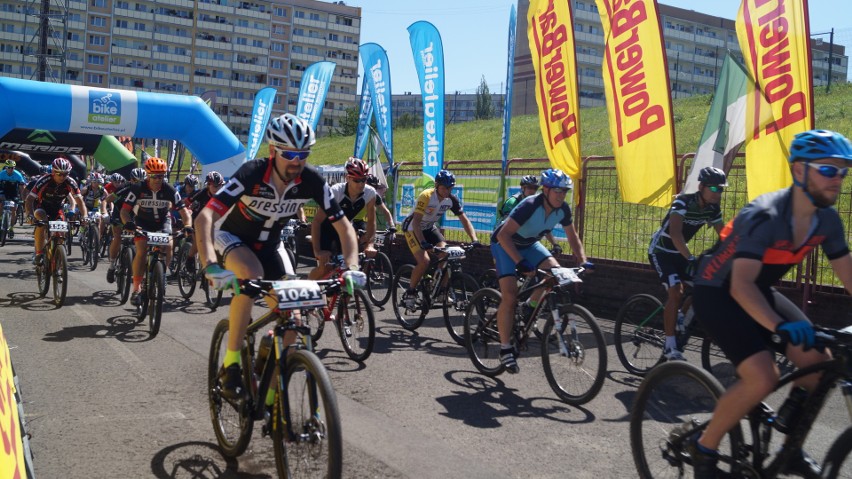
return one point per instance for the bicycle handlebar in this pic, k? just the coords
(258, 287)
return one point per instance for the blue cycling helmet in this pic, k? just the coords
(554, 178)
(46, 169)
(445, 178)
(816, 144)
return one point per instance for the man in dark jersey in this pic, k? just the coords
(733, 287)
(668, 252)
(46, 199)
(118, 192)
(248, 214)
(212, 183)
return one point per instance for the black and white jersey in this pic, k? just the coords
(252, 209)
(50, 193)
(151, 207)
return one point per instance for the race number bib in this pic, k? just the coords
(158, 238)
(455, 253)
(8, 205)
(58, 226)
(380, 240)
(565, 276)
(298, 294)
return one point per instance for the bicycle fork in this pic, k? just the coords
(557, 327)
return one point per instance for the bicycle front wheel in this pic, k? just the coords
(356, 325)
(60, 277)
(410, 319)
(93, 247)
(482, 339)
(379, 279)
(307, 439)
(462, 287)
(231, 421)
(574, 355)
(639, 335)
(838, 464)
(4, 228)
(186, 279)
(69, 239)
(123, 274)
(43, 278)
(156, 295)
(672, 407)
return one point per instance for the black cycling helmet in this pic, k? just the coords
(712, 176)
(529, 180)
(215, 178)
(372, 180)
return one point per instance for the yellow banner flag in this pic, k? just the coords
(551, 39)
(774, 39)
(636, 82)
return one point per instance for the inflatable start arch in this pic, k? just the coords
(103, 111)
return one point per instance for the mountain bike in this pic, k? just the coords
(304, 420)
(71, 215)
(355, 321)
(573, 348)
(186, 279)
(379, 269)
(124, 266)
(676, 399)
(154, 282)
(54, 265)
(6, 221)
(452, 293)
(106, 240)
(90, 242)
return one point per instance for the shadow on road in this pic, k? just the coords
(125, 328)
(197, 459)
(390, 338)
(485, 400)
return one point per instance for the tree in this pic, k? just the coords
(484, 107)
(407, 120)
(348, 124)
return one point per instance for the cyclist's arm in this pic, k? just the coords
(676, 234)
(551, 238)
(316, 224)
(468, 226)
(203, 234)
(348, 242)
(29, 201)
(388, 217)
(300, 213)
(185, 216)
(842, 267)
(744, 290)
(81, 205)
(575, 243)
(718, 227)
(370, 235)
(125, 213)
(504, 237)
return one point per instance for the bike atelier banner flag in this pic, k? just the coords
(551, 40)
(774, 39)
(259, 118)
(639, 104)
(507, 105)
(429, 60)
(377, 74)
(315, 82)
(365, 112)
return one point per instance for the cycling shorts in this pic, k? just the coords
(670, 267)
(53, 212)
(535, 254)
(432, 235)
(274, 259)
(163, 227)
(329, 239)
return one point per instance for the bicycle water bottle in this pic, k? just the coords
(789, 412)
(263, 352)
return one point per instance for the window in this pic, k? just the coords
(276, 82)
(97, 21)
(118, 81)
(296, 49)
(179, 69)
(299, 14)
(219, 56)
(313, 34)
(348, 39)
(94, 78)
(580, 5)
(257, 43)
(279, 12)
(121, 23)
(161, 48)
(161, 67)
(278, 64)
(97, 40)
(279, 47)
(241, 41)
(99, 3)
(299, 31)
(333, 37)
(121, 4)
(312, 51)
(95, 59)
(140, 27)
(315, 16)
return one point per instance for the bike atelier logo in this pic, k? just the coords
(104, 108)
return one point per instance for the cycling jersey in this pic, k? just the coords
(92, 196)
(251, 208)
(694, 217)
(534, 222)
(763, 230)
(51, 194)
(151, 207)
(432, 208)
(354, 209)
(508, 205)
(198, 201)
(9, 184)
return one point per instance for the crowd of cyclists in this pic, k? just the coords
(238, 222)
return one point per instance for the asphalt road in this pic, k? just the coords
(103, 400)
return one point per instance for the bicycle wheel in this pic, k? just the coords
(639, 336)
(60, 277)
(292, 257)
(231, 421)
(212, 298)
(307, 440)
(123, 274)
(4, 228)
(837, 463)
(69, 238)
(489, 279)
(462, 287)
(672, 405)
(315, 320)
(574, 355)
(94, 242)
(186, 279)
(409, 319)
(43, 277)
(356, 325)
(106, 241)
(379, 273)
(156, 295)
(84, 251)
(480, 332)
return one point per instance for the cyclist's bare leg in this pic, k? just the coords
(422, 259)
(39, 233)
(245, 265)
(675, 295)
(801, 359)
(322, 268)
(139, 262)
(115, 245)
(546, 264)
(506, 310)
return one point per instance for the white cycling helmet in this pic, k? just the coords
(291, 132)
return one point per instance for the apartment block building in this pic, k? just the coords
(230, 47)
(458, 107)
(696, 45)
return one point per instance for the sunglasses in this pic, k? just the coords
(156, 177)
(716, 189)
(358, 180)
(60, 173)
(559, 191)
(292, 155)
(829, 171)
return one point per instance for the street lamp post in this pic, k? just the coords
(830, 55)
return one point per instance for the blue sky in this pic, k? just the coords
(475, 34)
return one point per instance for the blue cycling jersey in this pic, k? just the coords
(533, 220)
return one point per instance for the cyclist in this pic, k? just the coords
(669, 254)
(150, 201)
(733, 295)
(421, 231)
(515, 246)
(248, 214)
(529, 187)
(116, 199)
(11, 189)
(46, 199)
(358, 202)
(212, 183)
(380, 201)
(93, 195)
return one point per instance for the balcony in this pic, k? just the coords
(171, 57)
(249, 67)
(589, 59)
(136, 52)
(586, 15)
(247, 85)
(172, 76)
(252, 32)
(213, 8)
(134, 14)
(210, 62)
(243, 102)
(174, 20)
(586, 81)
(310, 23)
(127, 32)
(309, 40)
(15, 37)
(213, 44)
(247, 12)
(174, 39)
(211, 26)
(126, 70)
(672, 34)
(210, 80)
(13, 16)
(250, 49)
(346, 47)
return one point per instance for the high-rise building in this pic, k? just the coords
(233, 48)
(696, 44)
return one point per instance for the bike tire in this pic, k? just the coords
(106, 241)
(186, 280)
(43, 278)
(212, 298)
(575, 373)
(4, 228)
(461, 288)
(156, 296)
(481, 336)
(400, 284)
(639, 335)
(124, 274)
(60, 277)
(379, 279)
(315, 320)
(310, 412)
(292, 258)
(672, 403)
(231, 420)
(355, 314)
(489, 279)
(84, 249)
(837, 462)
(94, 243)
(69, 239)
